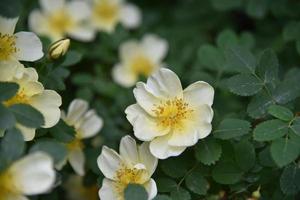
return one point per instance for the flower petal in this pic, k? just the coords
(128, 150)
(123, 76)
(36, 22)
(109, 162)
(76, 110)
(128, 49)
(28, 133)
(90, 125)
(147, 158)
(107, 191)
(7, 25)
(10, 70)
(199, 93)
(77, 160)
(83, 33)
(165, 84)
(160, 148)
(151, 189)
(52, 5)
(29, 46)
(79, 10)
(33, 174)
(155, 47)
(130, 16)
(48, 103)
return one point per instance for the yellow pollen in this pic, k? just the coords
(60, 22)
(75, 144)
(7, 186)
(7, 46)
(125, 176)
(141, 65)
(20, 97)
(172, 113)
(106, 11)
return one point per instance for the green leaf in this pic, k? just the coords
(258, 105)
(71, 58)
(165, 184)
(135, 192)
(63, 132)
(208, 151)
(162, 197)
(10, 8)
(210, 57)
(57, 150)
(291, 31)
(8, 90)
(257, 8)
(244, 84)
(245, 155)
(281, 112)
(196, 183)
(265, 158)
(240, 59)
(226, 5)
(7, 118)
(227, 38)
(180, 194)
(12, 145)
(226, 173)
(270, 130)
(247, 40)
(174, 167)
(231, 128)
(284, 151)
(27, 115)
(296, 126)
(290, 180)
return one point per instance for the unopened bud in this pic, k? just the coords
(256, 194)
(59, 48)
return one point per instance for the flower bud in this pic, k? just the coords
(59, 48)
(256, 194)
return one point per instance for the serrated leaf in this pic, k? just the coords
(244, 84)
(135, 192)
(7, 118)
(290, 180)
(284, 151)
(281, 112)
(63, 132)
(27, 115)
(210, 57)
(244, 155)
(258, 105)
(8, 90)
(265, 158)
(231, 128)
(196, 183)
(208, 151)
(270, 130)
(240, 59)
(226, 173)
(174, 167)
(162, 197)
(180, 194)
(165, 184)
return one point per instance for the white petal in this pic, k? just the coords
(77, 160)
(52, 5)
(30, 74)
(36, 22)
(90, 125)
(83, 33)
(156, 48)
(151, 188)
(48, 103)
(79, 10)
(7, 26)
(144, 126)
(33, 174)
(185, 138)
(203, 113)
(147, 158)
(160, 148)
(76, 110)
(123, 76)
(109, 162)
(128, 150)
(107, 191)
(29, 46)
(128, 49)
(131, 16)
(10, 70)
(199, 93)
(165, 84)
(28, 133)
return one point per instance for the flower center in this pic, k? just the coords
(20, 97)
(61, 22)
(7, 46)
(6, 185)
(142, 65)
(106, 11)
(172, 113)
(75, 144)
(125, 176)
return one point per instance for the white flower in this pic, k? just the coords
(139, 59)
(25, 46)
(168, 116)
(31, 175)
(108, 13)
(87, 124)
(59, 18)
(30, 92)
(134, 164)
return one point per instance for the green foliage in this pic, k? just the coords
(231, 128)
(290, 180)
(245, 155)
(7, 118)
(180, 194)
(196, 183)
(270, 130)
(208, 151)
(135, 192)
(8, 90)
(226, 173)
(63, 132)
(244, 84)
(10, 9)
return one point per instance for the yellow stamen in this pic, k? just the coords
(20, 97)
(60, 22)
(7, 46)
(75, 144)
(142, 65)
(172, 113)
(106, 11)
(7, 186)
